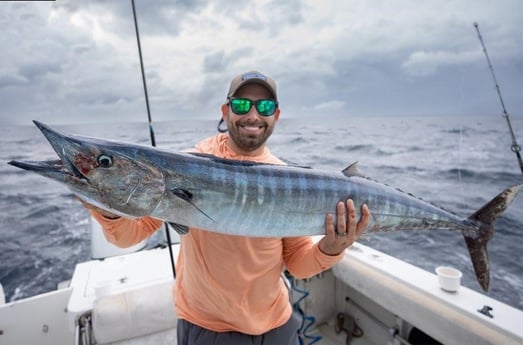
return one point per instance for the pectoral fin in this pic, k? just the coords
(187, 196)
(179, 228)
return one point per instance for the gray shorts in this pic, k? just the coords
(191, 334)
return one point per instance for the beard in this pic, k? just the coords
(249, 141)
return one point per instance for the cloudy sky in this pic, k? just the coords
(77, 61)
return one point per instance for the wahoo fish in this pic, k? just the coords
(245, 198)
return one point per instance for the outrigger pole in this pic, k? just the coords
(515, 147)
(151, 131)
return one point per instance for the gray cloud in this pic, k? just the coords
(71, 61)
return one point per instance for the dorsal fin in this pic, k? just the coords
(226, 161)
(243, 162)
(352, 170)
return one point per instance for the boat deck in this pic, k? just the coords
(326, 331)
(127, 300)
(330, 337)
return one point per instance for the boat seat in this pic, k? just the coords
(136, 313)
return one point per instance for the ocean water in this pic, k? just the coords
(458, 163)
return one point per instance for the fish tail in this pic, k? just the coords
(477, 241)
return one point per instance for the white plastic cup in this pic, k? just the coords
(449, 278)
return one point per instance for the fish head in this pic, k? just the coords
(113, 176)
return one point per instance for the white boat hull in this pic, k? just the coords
(127, 300)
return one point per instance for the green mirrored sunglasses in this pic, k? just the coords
(264, 107)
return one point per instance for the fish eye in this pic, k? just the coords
(104, 161)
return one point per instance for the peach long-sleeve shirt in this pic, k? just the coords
(224, 282)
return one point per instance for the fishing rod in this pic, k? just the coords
(515, 147)
(151, 131)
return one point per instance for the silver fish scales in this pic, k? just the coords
(246, 198)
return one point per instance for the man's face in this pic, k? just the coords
(250, 132)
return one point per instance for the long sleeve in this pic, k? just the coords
(304, 258)
(224, 282)
(124, 232)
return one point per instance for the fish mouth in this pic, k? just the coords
(59, 169)
(53, 168)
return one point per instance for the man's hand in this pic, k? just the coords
(347, 230)
(103, 212)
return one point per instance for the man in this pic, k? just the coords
(228, 288)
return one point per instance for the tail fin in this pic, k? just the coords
(477, 244)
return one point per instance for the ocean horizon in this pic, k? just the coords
(456, 162)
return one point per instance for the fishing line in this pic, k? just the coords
(462, 137)
(460, 140)
(460, 158)
(151, 131)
